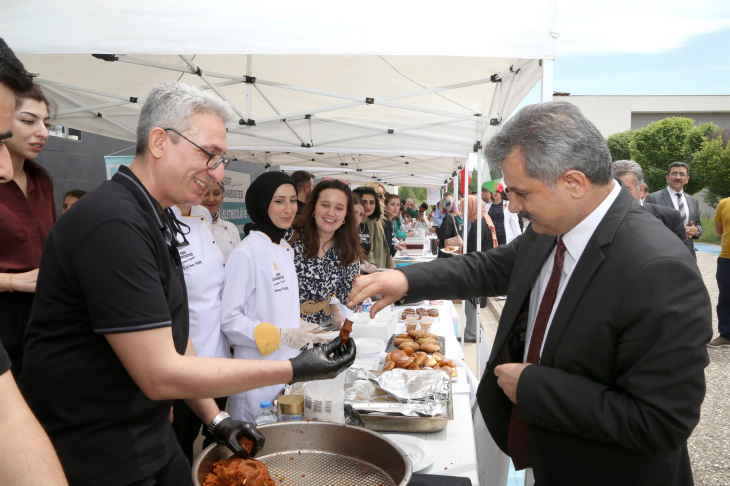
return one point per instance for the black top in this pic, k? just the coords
(496, 212)
(106, 268)
(4, 360)
(448, 229)
(471, 239)
(365, 238)
(300, 207)
(388, 227)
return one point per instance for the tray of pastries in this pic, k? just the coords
(419, 360)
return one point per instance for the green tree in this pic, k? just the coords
(712, 163)
(618, 145)
(473, 182)
(419, 194)
(662, 142)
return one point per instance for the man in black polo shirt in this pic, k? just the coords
(107, 343)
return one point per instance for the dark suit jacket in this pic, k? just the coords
(663, 198)
(621, 379)
(671, 218)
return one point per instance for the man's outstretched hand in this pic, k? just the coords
(391, 286)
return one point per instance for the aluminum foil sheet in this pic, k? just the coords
(398, 392)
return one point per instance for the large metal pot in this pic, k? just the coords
(317, 453)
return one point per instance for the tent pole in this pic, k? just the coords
(546, 82)
(93, 107)
(213, 87)
(69, 98)
(45, 82)
(430, 112)
(509, 90)
(480, 206)
(266, 98)
(249, 70)
(436, 90)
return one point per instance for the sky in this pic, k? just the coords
(641, 47)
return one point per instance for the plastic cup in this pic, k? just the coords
(426, 323)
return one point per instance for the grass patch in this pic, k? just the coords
(708, 230)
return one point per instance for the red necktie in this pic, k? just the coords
(517, 442)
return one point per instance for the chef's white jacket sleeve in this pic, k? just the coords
(238, 288)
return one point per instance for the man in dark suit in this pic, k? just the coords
(673, 196)
(631, 174)
(594, 377)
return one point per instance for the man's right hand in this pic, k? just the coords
(324, 362)
(391, 286)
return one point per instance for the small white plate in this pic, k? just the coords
(369, 346)
(420, 452)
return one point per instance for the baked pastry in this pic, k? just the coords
(403, 336)
(413, 346)
(415, 333)
(448, 362)
(430, 363)
(438, 356)
(395, 355)
(389, 366)
(404, 362)
(420, 358)
(399, 341)
(409, 351)
(426, 340)
(429, 348)
(413, 367)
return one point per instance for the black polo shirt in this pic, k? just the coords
(106, 268)
(4, 360)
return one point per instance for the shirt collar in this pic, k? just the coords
(577, 239)
(149, 205)
(672, 192)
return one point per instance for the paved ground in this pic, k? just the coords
(709, 445)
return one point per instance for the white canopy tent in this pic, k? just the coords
(396, 91)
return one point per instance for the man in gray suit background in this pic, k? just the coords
(673, 196)
(631, 174)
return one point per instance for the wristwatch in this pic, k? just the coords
(216, 420)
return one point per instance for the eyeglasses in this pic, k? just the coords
(677, 174)
(347, 183)
(211, 155)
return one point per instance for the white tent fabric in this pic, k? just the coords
(397, 91)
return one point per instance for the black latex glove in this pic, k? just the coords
(230, 431)
(324, 362)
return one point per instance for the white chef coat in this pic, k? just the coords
(204, 271)
(227, 236)
(261, 286)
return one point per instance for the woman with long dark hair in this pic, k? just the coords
(379, 251)
(359, 208)
(27, 212)
(506, 223)
(327, 252)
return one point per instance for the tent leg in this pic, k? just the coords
(546, 84)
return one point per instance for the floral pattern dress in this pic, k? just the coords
(321, 279)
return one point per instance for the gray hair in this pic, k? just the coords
(553, 138)
(621, 167)
(172, 105)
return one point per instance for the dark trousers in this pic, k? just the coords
(176, 472)
(187, 426)
(14, 315)
(723, 301)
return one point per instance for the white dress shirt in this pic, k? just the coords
(673, 196)
(575, 243)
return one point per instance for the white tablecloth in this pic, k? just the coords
(455, 445)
